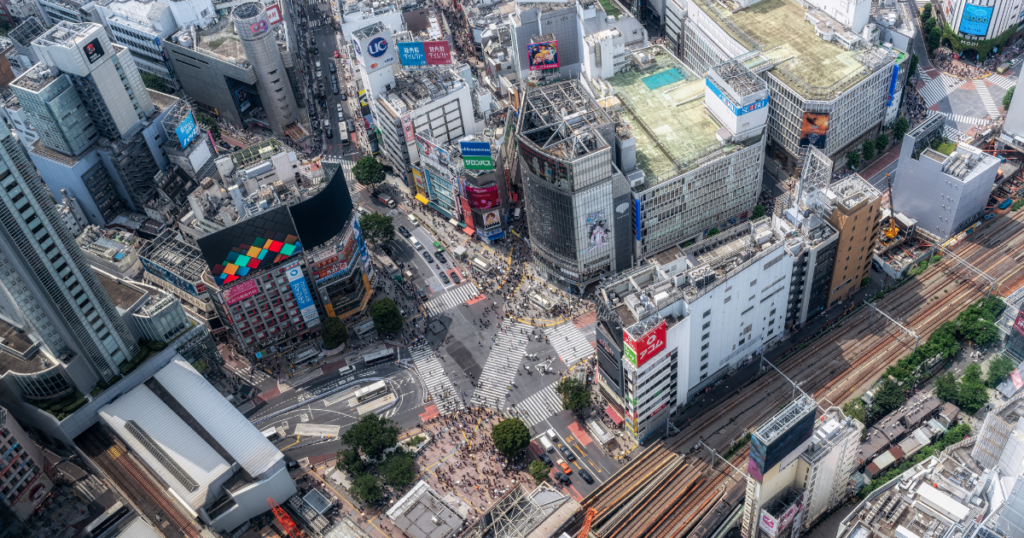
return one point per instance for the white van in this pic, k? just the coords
(548, 447)
(551, 435)
(416, 243)
(413, 220)
(516, 214)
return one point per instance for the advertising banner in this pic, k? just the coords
(274, 14)
(174, 279)
(241, 292)
(93, 51)
(478, 163)
(1015, 379)
(483, 197)
(186, 130)
(737, 110)
(892, 85)
(597, 231)
(641, 350)
(1019, 323)
(492, 219)
(975, 19)
(814, 130)
(791, 512)
(421, 184)
(410, 135)
(467, 213)
(475, 149)
(303, 298)
(636, 215)
(542, 55)
(768, 524)
(364, 109)
(437, 52)
(411, 53)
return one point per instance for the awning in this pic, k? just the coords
(423, 199)
(613, 415)
(469, 230)
(453, 222)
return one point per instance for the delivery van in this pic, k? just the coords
(416, 243)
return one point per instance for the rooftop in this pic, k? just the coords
(14, 338)
(36, 78)
(220, 39)
(123, 295)
(175, 255)
(415, 88)
(667, 144)
(813, 67)
(561, 120)
(67, 34)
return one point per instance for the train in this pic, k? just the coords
(722, 510)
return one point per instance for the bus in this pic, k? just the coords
(371, 391)
(365, 329)
(381, 355)
(343, 133)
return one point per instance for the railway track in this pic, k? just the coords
(111, 456)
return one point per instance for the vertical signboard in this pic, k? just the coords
(1019, 323)
(636, 215)
(641, 350)
(303, 299)
(768, 524)
(476, 155)
(186, 130)
(410, 135)
(542, 55)
(274, 14)
(892, 84)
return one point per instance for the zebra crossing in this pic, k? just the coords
(986, 99)
(569, 343)
(1002, 82)
(450, 299)
(502, 363)
(440, 387)
(966, 120)
(953, 134)
(937, 89)
(535, 409)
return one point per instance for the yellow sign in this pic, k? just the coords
(422, 199)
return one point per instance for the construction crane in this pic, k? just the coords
(585, 529)
(287, 525)
(891, 231)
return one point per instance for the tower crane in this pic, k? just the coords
(891, 231)
(585, 529)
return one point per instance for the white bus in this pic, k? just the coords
(380, 355)
(371, 391)
(343, 132)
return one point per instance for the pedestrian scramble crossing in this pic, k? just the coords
(502, 363)
(967, 120)
(1002, 82)
(569, 343)
(986, 99)
(937, 89)
(537, 408)
(450, 299)
(439, 386)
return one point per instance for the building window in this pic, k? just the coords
(705, 346)
(706, 325)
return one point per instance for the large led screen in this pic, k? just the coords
(975, 20)
(252, 245)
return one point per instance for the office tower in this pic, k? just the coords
(259, 41)
(48, 285)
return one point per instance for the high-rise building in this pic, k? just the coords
(24, 483)
(259, 42)
(49, 287)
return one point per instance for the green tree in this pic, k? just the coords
(928, 24)
(334, 332)
(853, 159)
(367, 489)
(998, 370)
(575, 394)
(881, 142)
(369, 172)
(868, 149)
(712, 232)
(946, 388)
(209, 123)
(888, 398)
(372, 435)
(973, 393)
(386, 316)
(926, 12)
(912, 68)
(377, 229)
(398, 469)
(510, 437)
(934, 38)
(155, 83)
(350, 462)
(758, 212)
(1008, 97)
(900, 129)
(538, 470)
(855, 409)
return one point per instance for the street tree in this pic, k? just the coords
(366, 488)
(372, 435)
(868, 149)
(853, 159)
(926, 12)
(369, 172)
(334, 332)
(901, 128)
(350, 462)
(510, 437)
(575, 394)
(973, 393)
(538, 470)
(881, 142)
(1008, 97)
(398, 469)
(912, 69)
(377, 229)
(759, 211)
(934, 38)
(946, 388)
(386, 316)
(998, 370)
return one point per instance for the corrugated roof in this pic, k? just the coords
(177, 440)
(241, 439)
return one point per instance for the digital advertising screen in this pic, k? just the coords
(975, 20)
(814, 130)
(186, 131)
(483, 197)
(252, 245)
(542, 55)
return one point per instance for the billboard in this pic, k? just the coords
(186, 130)
(764, 457)
(791, 512)
(1019, 323)
(892, 85)
(542, 55)
(597, 231)
(636, 215)
(768, 524)
(241, 292)
(737, 110)
(175, 280)
(411, 53)
(438, 52)
(274, 14)
(483, 197)
(93, 50)
(421, 184)
(475, 149)
(364, 109)
(249, 246)
(641, 350)
(424, 53)
(755, 463)
(478, 163)
(410, 135)
(492, 219)
(814, 129)
(303, 299)
(975, 20)
(242, 98)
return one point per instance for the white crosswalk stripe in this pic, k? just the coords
(503, 361)
(967, 120)
(923, 75)
(545, 403)
(440, 387)
(451, 298)
(937, 89)
(569, 343)
(986, 99)
(1001, 81)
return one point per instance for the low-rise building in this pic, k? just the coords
(111, 251)
(24, 484)
(177, 266)
(423, 513)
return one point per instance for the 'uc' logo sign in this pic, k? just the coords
(377, 47)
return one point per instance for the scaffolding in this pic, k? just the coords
(785, 419)
(515, 515)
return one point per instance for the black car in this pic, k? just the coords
(331, 67)
(568, 455)
(344, 97)
(403, 231)
(440, 257)
(586, 476)
(386, 249)
(544, 457)
(426, 256)
(444, 278)
(562, 478)
(330, 133)
(423, 296)
(455, 277)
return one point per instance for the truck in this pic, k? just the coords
(386, 199)
(548, 447)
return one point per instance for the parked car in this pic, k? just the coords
(336, 55)
(386, 249)
(544, 457)
(562, 478)
(344, 97)
(568, 454)
(330, 133)
(444, 278)
(440, 257)
(403, 231)
(340, 108)
(586, 476)
(331, 67)
(455, 278)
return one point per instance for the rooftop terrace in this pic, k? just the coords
(667, 144)
(220, 39)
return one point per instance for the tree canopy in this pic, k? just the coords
(367, 488)
(868, 149)
(759, 211)
(912, 69)
(369, 172)
(538, 470)
(888, 398)
(1008, 97)
(901, 127)
(398, 469)
(334, 332)
(973, 393)
(853, 159)
(377, 229)
(999, 369)
(386, 316)
(510, 437)
(350, 462)
(575, 394)
(946, 388)
(372, 435)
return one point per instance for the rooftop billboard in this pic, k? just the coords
(542, 55)
(250, 246)
(765, 456)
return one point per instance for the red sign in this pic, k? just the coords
(241, 291)
(1019, 324)
(410, 136)
(648, 345)
(437, 52)
(467, 214)
(274, 14)
(483, 197)
(1015, 378)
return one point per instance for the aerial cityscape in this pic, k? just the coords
(511, 269)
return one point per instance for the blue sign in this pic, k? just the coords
(377, 47)
(892, 84)
(975, 20)
(303, 299)
(412, 54)
(475, 149)
(737, 110)
(170, 277)
(186, 131)
(636, 215)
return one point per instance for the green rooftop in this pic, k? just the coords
(673, 113)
